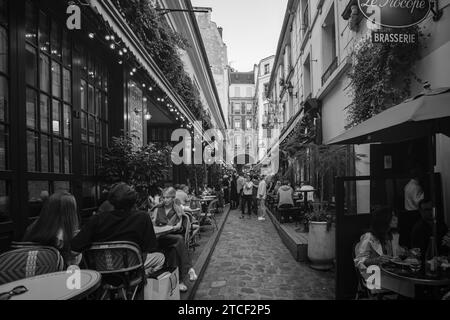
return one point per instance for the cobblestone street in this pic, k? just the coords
(250, 262)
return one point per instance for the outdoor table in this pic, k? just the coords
(162, 231)
(53, 286)
(404, 282)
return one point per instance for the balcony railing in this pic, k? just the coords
(327, 74)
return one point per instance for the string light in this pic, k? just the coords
(91, 35)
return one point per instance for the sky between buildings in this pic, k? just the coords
(251, 28)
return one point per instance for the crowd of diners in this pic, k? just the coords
(386, 239)
(118, 219)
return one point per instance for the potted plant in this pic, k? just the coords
(321, 239)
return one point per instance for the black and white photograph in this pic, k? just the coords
(225, 155)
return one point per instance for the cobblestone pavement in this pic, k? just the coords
(250, 262)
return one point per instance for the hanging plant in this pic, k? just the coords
(163, 45)
(381, 76)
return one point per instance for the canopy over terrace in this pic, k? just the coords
(117, 23)
(425, 114)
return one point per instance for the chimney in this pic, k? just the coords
(220, 31)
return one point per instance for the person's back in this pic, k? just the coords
(285, 194)
(413, 195)
(240, 184)
(182, 196)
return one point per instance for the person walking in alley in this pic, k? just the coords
(246, 200)
(239, 185)
(255, 195)
(262, 194)
(234, 195)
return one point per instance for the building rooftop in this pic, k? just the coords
(242, 78)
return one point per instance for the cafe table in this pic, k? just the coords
(405, 282)
(55, 286)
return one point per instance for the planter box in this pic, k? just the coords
(321, 245)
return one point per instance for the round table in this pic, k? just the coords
(55, 286)
(404, 283)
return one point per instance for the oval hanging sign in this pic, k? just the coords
(395, 13)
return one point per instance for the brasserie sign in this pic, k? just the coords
(395, 13)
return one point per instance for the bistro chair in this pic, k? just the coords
(28, 262)
(210, 214)
(121, 265)
(363, 292)
(193, 232)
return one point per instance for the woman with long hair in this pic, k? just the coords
(57, 224)
(381, 243)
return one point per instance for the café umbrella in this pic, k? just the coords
(426, 114)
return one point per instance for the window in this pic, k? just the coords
(329, 56)
(236, 108)
(266, 69)
(4, 111)
(249, 92)
(249, 108)
(49, 105)
(305, 15)
(237, 123)
(266, 90)
(94, 112)
(249, 124)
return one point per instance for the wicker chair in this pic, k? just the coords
(121, 266)
(29, 261)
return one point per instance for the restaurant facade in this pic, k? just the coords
(64, 93)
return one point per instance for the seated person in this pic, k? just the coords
(423, 230)
(56, 226)
(170, 214)
(122, 224)
(381, 243)
(183, 195)
(285, 196)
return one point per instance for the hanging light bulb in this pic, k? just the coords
(148, 116)
(112, 38)
(151, 89)
(134, 69)
(112, 46)
(120, 62)
(143, 85)
(120, 53)
(107, 37)
(125, 50)
(91, 35)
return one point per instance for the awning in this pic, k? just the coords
(115, 20)
(426, 114)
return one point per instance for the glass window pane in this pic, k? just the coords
(91, 161)
(83, 62)
(105, 108)
(44, 41)
(67, 89)
(31, 150)
(56, 40)
(56, 79)
(4, 147)
(56, 118)
(105, 80)
(4, 98)
(67, 121)
(98, 102)
(84, 127)
(4, 50)
(83, 91)
(4, 202)
(31, 65)
(91, 129)
(44, 72)
(30, 22)
(45, 114)
(91, 105)
(31, 109)
(45, 149)
(56, 155)
(37, 190)
(105, 135)
(97, 132)
(84, 158)
(67, 50)
(61, 186)
(67, 157)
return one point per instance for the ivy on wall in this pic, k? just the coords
(381, 76)
(163, 45)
